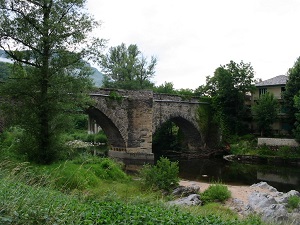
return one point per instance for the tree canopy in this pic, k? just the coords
(47, 41)
(265, 112)
(292, 89)
(126, 67)
(228, 88)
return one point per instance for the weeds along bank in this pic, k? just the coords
(90, 190)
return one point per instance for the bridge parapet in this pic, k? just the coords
(174, 98)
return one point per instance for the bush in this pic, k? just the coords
(216, 192)
(293, 202)
(162, 176)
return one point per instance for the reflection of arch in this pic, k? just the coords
(191, 133)
(112, 132)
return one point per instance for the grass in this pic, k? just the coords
(216, 193)
(71, 192)
(293, 202)
(248, 147)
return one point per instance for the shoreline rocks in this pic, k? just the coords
(265, 201)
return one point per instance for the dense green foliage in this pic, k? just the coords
(297, 116)
(249, 147)
(205, 117)
(48, 42)
(42, 206)
(228, 88)
(125, 67)
(168, 137)
(292, 89)
(162, 176)
(216, 192)
(22, 204)
(4, 71)
(265, 112)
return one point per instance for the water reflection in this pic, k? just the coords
(209, 170)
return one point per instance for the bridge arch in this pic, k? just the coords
(190, 130)
(115, 138)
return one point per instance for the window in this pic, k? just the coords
(262, 91)
(282, 89)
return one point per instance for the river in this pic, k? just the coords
(283, 178)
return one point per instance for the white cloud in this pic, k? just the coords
(192, 38)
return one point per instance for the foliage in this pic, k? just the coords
(297, 117)
(23, 202)
(166, 88)
(216, 192)
(126, 67)
(48, 42)
(293, 202)
(292, 88)
(168, 137)
(4, 71)
(103, 168)
(204, 118)
(113, 95)
(10, 142)
(162, 176)
(228, 88)
(265, 112)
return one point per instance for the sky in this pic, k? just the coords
(191, 38)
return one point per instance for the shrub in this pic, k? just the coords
(216, 192)
(293, 202)
(162, 176)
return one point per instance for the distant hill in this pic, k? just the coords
(97, 76)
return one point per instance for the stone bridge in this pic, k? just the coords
(130, 119)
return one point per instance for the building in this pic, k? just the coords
(276, 86)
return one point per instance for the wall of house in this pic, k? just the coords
(276, 90)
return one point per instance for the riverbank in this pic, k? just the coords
(261, 199)
(240, 192)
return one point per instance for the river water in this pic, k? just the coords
(283, 178)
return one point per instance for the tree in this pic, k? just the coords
(47, 40)
(228, 88)
(297, 116)
(265, 112)
(291, 90)
(166, 88)
(127, 68)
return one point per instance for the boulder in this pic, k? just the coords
(186, 191)
(193, 199)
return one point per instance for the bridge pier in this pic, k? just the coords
(93, 127)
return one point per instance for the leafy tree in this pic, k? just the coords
(126, 67)
(265, 112)
(297, 115)
(4, 71)
(228, 88)
(47, 40)
(166, 88)
(291, 89)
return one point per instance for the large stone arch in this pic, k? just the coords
(115, 138)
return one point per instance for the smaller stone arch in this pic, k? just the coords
(191, 132)
(110, 129)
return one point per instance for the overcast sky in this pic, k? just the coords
(191, 38)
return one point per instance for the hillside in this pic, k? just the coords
(97, 76)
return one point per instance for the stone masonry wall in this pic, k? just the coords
(277, 142)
